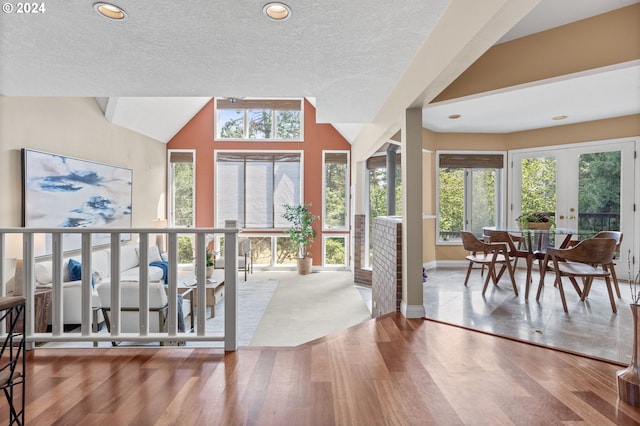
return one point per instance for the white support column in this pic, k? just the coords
(412, 302)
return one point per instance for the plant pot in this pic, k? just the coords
(304, 265)
(629, 378)
(544, 226)
(209, 272)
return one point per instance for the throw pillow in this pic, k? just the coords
(75, 272)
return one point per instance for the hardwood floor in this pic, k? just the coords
(390, 371)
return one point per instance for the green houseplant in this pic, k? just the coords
(534, 221)
(301, 232)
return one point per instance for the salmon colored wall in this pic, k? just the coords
(198, 134)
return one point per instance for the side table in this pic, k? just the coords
(13, 365)
(41, 309)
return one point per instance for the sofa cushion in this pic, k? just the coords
(153, 254)
(155, 274)
(129, 257)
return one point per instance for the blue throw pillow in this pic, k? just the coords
(75, 271)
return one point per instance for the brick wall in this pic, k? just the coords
(386, 283)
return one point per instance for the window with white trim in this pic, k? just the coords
(182, 179)
(252, 187)
(335, 183)
(259, 119)
(470, 193)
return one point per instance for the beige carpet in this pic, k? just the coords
(306, 307)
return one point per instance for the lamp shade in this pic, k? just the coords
(13, 246)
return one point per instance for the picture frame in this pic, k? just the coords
(63, 191)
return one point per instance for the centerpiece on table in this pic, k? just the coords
(534, 221)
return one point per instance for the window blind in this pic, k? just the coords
(252, 187)
(471, 161)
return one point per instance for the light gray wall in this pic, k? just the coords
(76, 127)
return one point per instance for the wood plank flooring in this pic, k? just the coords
(389, 371)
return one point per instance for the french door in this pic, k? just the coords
(586, 187)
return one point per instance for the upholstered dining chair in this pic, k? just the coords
(487, 254)
(518, 249)
(616, 235)
(580, 261)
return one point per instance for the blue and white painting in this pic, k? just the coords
(62, 191)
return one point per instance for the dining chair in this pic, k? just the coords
(616, 235)
(518, 249)
(487, 254)
(580, 261)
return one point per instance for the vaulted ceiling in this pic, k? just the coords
(155, 69)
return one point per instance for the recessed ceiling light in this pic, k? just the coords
(110, 11)
(277, 11)
(559, 117)
(454, 116)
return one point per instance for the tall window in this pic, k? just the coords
(252, 188)
(181, 187)
(336, 190)
(469, 193)
(259, 119)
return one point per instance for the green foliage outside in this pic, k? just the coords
(599, 182)
(288, 124)
(183, 194)
(335, 195)
(538, 185)
(260, 125)
(185, 249)
(451, 200)
(334, 251)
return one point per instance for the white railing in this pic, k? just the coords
(86, 332)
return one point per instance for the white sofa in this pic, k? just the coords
(101, 267)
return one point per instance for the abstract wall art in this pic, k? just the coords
(60, 191)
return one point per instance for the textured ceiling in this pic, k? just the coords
(345, 56)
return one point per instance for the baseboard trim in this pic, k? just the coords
(412, 311)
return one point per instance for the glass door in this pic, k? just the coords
(588, 188)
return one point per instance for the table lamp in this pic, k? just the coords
(160, 238)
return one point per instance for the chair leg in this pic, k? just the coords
(468, 273)
(614, 277)
(577, 287)
(529, 279)
(513, 278)
(491, 273)
(564, 300)
(611, 299)
(587, 288)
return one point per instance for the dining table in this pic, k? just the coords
(538, 240)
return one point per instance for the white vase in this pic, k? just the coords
(629, 378)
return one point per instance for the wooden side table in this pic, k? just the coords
(41, 309)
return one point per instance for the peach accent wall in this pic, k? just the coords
(198, 134)
(595, 42)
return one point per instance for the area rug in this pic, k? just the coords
(306, 307)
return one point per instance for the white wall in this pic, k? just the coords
(76, 127)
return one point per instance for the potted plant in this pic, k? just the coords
(301, 232)
(534, 221)
(629, 378)
(210, 263)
